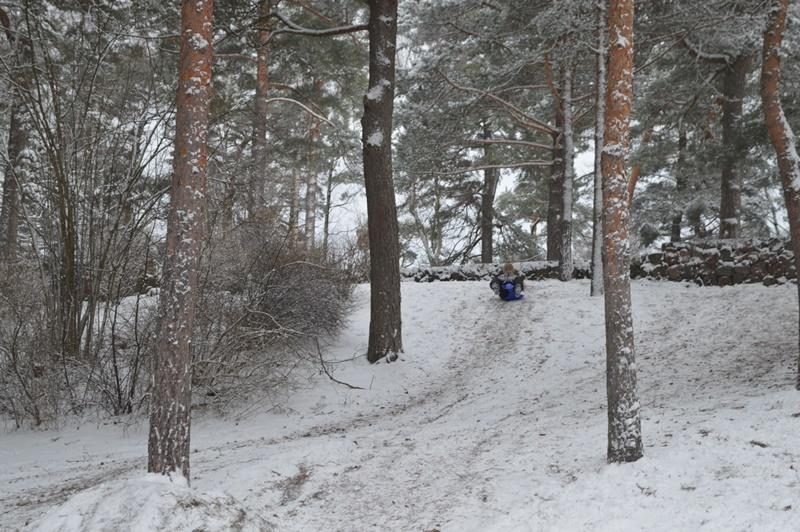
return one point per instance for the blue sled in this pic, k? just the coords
(510, 295)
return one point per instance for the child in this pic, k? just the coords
(509, 284)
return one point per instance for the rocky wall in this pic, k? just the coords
(719, 262)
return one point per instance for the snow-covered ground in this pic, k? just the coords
(493, 419)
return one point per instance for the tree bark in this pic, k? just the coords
(732, 144)
(487, 200)
(565, 263)
(18, 165)
(778, 128)
(555, 202)
(624, 424)
(257, 193)
(168, 444)
(681, 183)
(385, 339)
(326, 224)
(294, 205)
(311, 179)
(596, 287)
(9, 217)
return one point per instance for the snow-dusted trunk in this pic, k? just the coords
(780, 132)
(311, 183)
(487, 200)
(385, 338)
(310, 226)
(733, 92)
(256, 194)
(326, 223)
(168, 445)
(9, 217)
(17, 162)
(596, 287)
(294, 205)
(565, 263)
(681, 182)
(555, 200)
(624, 423)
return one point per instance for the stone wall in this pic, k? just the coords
(535, 271)
(719, 263)
(712, 262)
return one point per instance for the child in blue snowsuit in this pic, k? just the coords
(508, 284)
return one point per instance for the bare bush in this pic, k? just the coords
(30, 384)
(263, 305)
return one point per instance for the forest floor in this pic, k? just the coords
(493, 419)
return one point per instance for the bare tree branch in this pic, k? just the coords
(525, 164)
(296, 29)
(524, 118)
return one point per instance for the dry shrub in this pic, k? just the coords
(30, 381)
(264, 303)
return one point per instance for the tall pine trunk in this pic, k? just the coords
(555, 200)
(487, 200)
(565, 263)
(733, 151)
(681, 183)
(257, 194)
(170, 410)
(311, 180)
(624, 423)
(596, 288)
(18, 166)
(778, 128)
(294, 205)
(385, 339)
(9, 217)
(326, 223)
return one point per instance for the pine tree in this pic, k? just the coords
(624, 423)
(778, 128)
(385, 330)
(600, 111)
(170, 410)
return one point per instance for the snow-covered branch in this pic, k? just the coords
(520, 115)
(294, 28)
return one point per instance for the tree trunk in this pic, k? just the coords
(733, 92)
(624, 424)
(18, 167)
(780, 132)
(681, 183)
(385, 339)
(257, 194)
(311, 179)
(596, 288)
(168, 445)
(294, 205)
(9, 217)
(555, 202)
(326, 224)
(565, 263)
(487, 200)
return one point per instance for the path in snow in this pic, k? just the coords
(495, 419)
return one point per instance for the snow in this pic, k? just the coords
(198, 42)
(375, 93)
(375, 139)
(494, 418)
(146, 503)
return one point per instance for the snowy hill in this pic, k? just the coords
(494, 419)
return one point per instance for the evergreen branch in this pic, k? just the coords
(305, 107)
(525, 164)
(511, 142)
(296, 29)
(522, 116)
